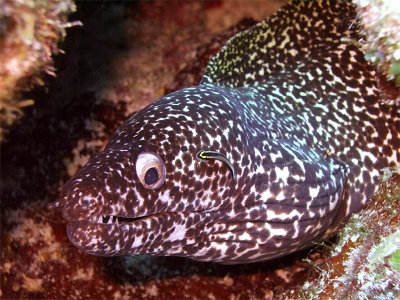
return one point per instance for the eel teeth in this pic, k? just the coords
(100, 219)
(105, 219)
(109, 219)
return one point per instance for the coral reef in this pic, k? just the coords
(380, 19)
(29, 33)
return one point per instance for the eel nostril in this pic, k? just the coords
(86, 203)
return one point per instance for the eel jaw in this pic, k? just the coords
(105, 235)
(98, 234)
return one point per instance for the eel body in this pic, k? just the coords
(281, 141)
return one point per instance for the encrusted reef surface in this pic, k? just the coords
(29, 33)
(381, 21)
(125, 56)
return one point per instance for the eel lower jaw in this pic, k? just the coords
(107, 235)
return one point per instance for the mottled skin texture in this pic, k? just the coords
(293, 106)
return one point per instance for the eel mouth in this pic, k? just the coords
(110, 235)
(109, 219)
(97, 219)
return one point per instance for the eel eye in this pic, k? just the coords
(151, 170)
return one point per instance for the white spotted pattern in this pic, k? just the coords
(295, 110)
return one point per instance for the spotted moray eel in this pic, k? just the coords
(282, 140)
